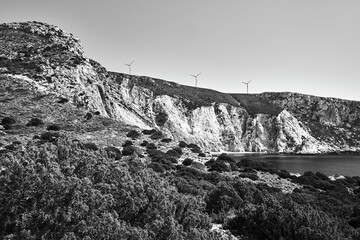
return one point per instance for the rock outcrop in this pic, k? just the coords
(53, 62)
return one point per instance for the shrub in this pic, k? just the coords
(53, 127)
(133, 134)
(202, 154)
(161, 118)
(149, 132)
(127, 143)
(157, 167)
(88, 116)
(63, 100)
(151, 146)
(35, 122)
(49, 136)
(196, 150)
(210, 162)
(182, 144)
(198, 165)
(284, 174)
(187, 162)
(322, 176)
(220, 166)
(113, 152)
(193, 145)
(128, 150)
(176, 152)
(166, 140)
(90, 146)
(157, 135)
(144, 143)
(8, 121)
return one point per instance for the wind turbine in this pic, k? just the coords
(129, 65)
(196, 76)
(247, 85)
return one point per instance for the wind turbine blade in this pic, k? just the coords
(198, 74)
(244, 82)
(132, 62)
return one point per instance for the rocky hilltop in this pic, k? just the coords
(52, 62)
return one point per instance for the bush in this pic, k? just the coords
(8, 121)
(187, 162)
(220, 166)
(128, 150)
(193, 145)
(166, 140)
(35, 122)
(210, 162)
(182, 144)
(157, 167)
(53, 127)
(90, 146)
(88, 116)
(196, 150)
(284, 174)
(133, 134)
(161, 118)
(127, 143)
(149, 132)
(144, 143)
(202, 154)
(198, 165)
(151, 146)
(113, 152)
(49, 136)
(157, 135)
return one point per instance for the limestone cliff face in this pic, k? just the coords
(330, 120)
(53, 62)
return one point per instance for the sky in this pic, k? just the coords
(306, 46)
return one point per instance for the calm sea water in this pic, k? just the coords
(343, 164)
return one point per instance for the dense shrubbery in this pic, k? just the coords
(63, 192)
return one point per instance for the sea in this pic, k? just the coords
(330, 165)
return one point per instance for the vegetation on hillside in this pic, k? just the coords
(61, 190)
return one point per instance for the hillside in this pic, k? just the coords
(52, 61)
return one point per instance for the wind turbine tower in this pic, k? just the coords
(247, 85)
(129, 65)
(196, 80)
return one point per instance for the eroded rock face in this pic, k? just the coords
(52, 61)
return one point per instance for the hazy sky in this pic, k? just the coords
(306, 46)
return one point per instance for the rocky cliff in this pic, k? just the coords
(52, 61)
